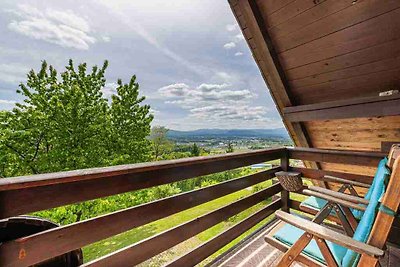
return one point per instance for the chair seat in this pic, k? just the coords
(289, 234)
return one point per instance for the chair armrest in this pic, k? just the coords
(351, 198)
(330, 198)
(334, 179)
(328, 234)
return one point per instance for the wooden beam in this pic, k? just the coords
(354, 108)
(19, 195)
(152, 246)
(79, 234)
(201, 252)
(362, 158)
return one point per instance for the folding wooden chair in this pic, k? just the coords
(318, 201)
(313, 244)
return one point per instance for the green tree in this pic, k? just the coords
(229, 149)
(195, 151)
(161, 144)
(66, 123)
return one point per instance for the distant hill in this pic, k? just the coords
(222, 133)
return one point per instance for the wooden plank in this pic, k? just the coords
(55, 189)
(347, 60)
(302, 14)
(337, 156)
(145, 249)
(357, 13)
(354, 134)
(271, 6)
(349, 108)
(333, 199)
(290, 256)
(350, 72)
(361, 86)
(79, 234)
(206, 249)
(372, 34)
(328, 234)
(347, 197)
(289, 13)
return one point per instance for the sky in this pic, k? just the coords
(190, 57)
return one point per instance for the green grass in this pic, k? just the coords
(116, 242)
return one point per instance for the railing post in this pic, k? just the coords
(285, 195)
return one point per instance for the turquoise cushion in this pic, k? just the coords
(289, 234)
(365, 225)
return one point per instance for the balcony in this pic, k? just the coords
(23, 195)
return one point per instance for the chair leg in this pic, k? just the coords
(345, 224)
(326, 252)
(350, 218)
(295, 250)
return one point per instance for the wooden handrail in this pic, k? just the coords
(19, 195)
(150, 247)
(79, 234)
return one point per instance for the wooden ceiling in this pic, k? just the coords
(325, 63)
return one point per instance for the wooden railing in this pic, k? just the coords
(21, 195)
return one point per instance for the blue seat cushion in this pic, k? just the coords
(367, 221)
(289, 234)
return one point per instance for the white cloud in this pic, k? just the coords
(106, 39)
(214, 102)
(13, 73)
(232, 27)
(238, 54)
(238, 37)
(63, 28)
(109, 89)
(7, 104)
(229, 45)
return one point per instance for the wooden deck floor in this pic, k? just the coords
(255, 252)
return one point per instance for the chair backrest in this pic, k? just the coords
(388, 209)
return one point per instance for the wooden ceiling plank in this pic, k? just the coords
(306, 13)
(357, 13)
(369, 55)
(370, 33)
(271, 6)
(292, 10)
(351, 72)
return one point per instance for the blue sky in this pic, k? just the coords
(190, 58)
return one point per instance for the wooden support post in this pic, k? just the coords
(285, 195)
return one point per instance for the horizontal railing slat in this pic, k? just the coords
(362, 158)
(22, 195)
(201, 252)
(67, 238)
(319, 175)
(152, 246)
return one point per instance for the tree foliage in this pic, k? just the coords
(66, 123)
